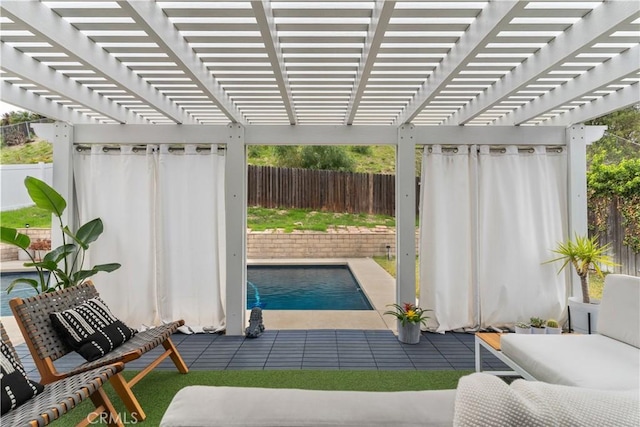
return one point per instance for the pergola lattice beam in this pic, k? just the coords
(616, 68)
(151, 18)
(22, 98)
(264, 18)
(379, 22)
(49, 26)
(594, 26)
(38, 73)
(618, 100)
(484, 28)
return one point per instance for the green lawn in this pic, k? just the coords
(157, 389)
(35, 217)
(260, 219)
(32, 152)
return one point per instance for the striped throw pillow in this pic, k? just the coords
(91, 329)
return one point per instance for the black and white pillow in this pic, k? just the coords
(16, 387)
(91, 329)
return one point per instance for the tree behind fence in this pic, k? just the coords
(334, 191)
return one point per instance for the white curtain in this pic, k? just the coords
(488, 223)
(163, 215)
(446, 232)
(522, 205)
(191, 237)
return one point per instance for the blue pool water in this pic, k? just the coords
(21, 290)
(297, 287)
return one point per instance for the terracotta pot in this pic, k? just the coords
(409, 333)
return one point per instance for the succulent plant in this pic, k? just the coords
(523, 325)
(552, 323)
(537, 322)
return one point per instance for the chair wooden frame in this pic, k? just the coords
(45, 345)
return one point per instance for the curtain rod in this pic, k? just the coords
(502, 149)
(143, 147)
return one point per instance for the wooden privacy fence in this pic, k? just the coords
(334, 191)
(622, 254)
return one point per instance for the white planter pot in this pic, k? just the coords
(551, 331)
(520, 330)
(536, 331)
(583, 315)
(409, 333)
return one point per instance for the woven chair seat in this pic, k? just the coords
(139, 344)
(60, 397)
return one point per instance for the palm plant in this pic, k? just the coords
(584, 253)
(65, 263)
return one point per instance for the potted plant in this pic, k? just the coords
(65, 263)
(410, 317)
(585, 254)
(553, 327)
(537, 325)
(523, 328)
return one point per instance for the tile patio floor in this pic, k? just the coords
(310, 349)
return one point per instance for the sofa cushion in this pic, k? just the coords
(91, 329)
(619, 316)
(199, 406)
(483, 400)
(591, 361)
(16, 387)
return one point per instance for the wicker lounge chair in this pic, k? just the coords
(61, 396)
(45, 345)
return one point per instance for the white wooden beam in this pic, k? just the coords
(490, 135)
(150, 17)
(50, 27)
(264, 17)
(496, 15)
(618, 100)
(62, 178)
(151, 134)
(38, 73)
(597, 24)
(22, 98)
(379, 22)
(623, 65)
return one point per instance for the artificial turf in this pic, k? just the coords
(157, 389)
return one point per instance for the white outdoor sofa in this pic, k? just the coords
(480, 399)
(608, 360)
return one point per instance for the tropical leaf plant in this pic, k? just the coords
(63, 266)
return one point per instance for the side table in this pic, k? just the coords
(491, 342)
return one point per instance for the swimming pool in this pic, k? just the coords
(21, 290)
(304, 287)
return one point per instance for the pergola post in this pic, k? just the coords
(61, 135)
(236, 206)
(577, 138)
(406, 215)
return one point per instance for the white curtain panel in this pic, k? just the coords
(487, 225)
(191, 237)
(117, 186)
(522, 216)
(164, 222)
(446, 237)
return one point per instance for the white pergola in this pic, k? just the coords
(403, 73)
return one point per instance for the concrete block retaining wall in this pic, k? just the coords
(347, 242)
